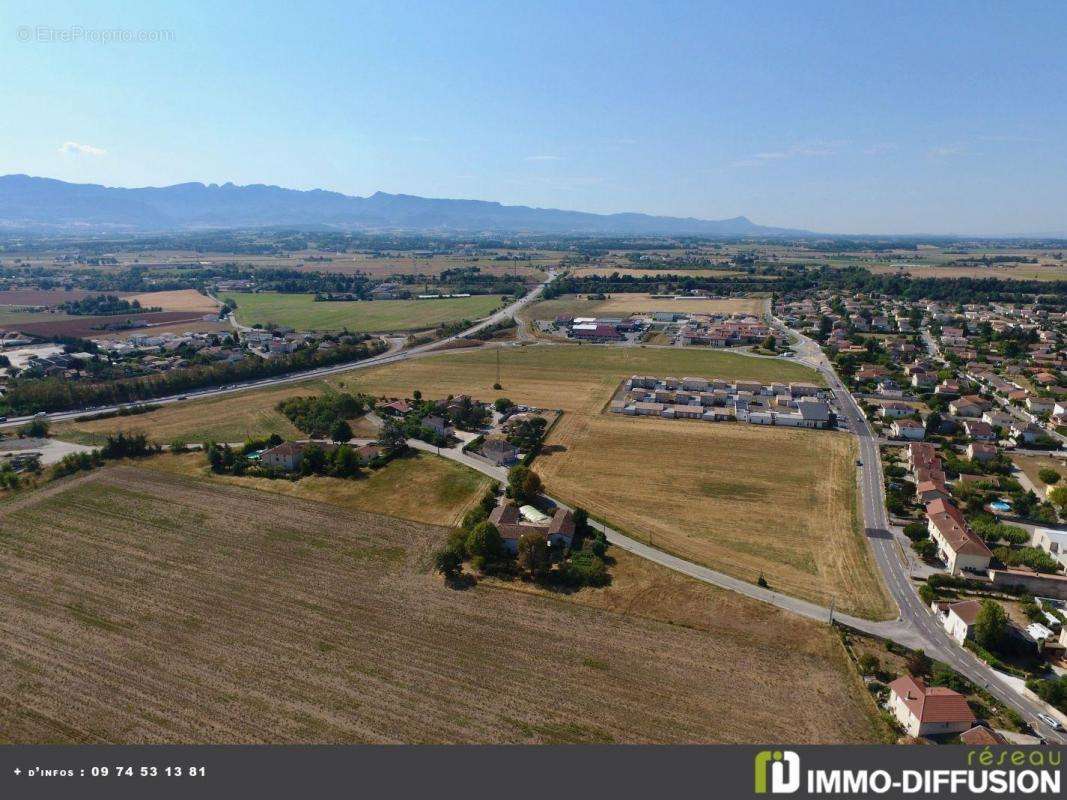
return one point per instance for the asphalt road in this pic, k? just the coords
(389, 357)
(914, 615)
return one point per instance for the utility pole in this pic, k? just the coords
(832, 610)
(498, 364)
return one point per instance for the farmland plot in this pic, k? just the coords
(142, 607)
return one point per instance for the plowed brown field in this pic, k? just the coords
(139, 606)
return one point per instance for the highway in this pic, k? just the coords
(389, 357)
(914, 615)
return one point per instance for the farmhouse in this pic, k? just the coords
(287, 455)
(438, 425)
(513, 524)
(499, 450)
(928, 710)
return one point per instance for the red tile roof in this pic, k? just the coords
(932, 703)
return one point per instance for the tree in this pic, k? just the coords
(918, 663)
(1048, 475)
(524, 485)
(535, 555)
(448, 562)
(340, 431)
(345, 462)
(768, 343)
(484, 544)
(925, 549)
(933, 423)
(392, 438)
(991, 626)
(502, 404)
(313, 460)
(37, 429)
(868, 664)
(1058, 497)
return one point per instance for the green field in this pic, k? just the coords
(300, 311)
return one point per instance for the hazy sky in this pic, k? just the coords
(848, 117)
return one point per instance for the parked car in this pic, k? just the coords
(1052, 722)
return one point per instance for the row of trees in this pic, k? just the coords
(56, 394)
(328, 414)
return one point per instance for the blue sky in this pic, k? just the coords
(848, 117)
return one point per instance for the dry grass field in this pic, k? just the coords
(143, 607)
(755, 499)
(230, 418)
(1032, 465)
(1020, 272)
(179, 300)
(741, 499)
(578, 378)
(625, 304)
(421, 487)
(583, 272)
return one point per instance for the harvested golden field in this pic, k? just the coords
(1021, 272)
(421, 486)
(741, 499)
(551, 377)
(178, 300)
(584, 272)
(573, 378)
(143, 607)
(230, 418)
(625, 304)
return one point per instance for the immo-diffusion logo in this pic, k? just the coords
(784, 769)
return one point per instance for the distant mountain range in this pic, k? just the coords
(43, 204)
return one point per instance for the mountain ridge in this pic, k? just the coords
(35, 203)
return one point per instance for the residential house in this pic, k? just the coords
(928, 491)
(979, 431)
(438, 425)
(981, 452)
(500, 451)
(396, 408)
(1026, 432)
(287, 455)
(1052, 542)
(1040, 405)
(980, 735)
(960, 618)
(928, 710)
(964, 407)
(896, 410)
(957, 545)
(513, 525)
(908, 429)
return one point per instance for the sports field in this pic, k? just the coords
(300, 311)
(143, 607)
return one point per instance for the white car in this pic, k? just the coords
(1052, 722)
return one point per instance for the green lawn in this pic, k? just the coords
(300, 311)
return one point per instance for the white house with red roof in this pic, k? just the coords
(928, 710)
